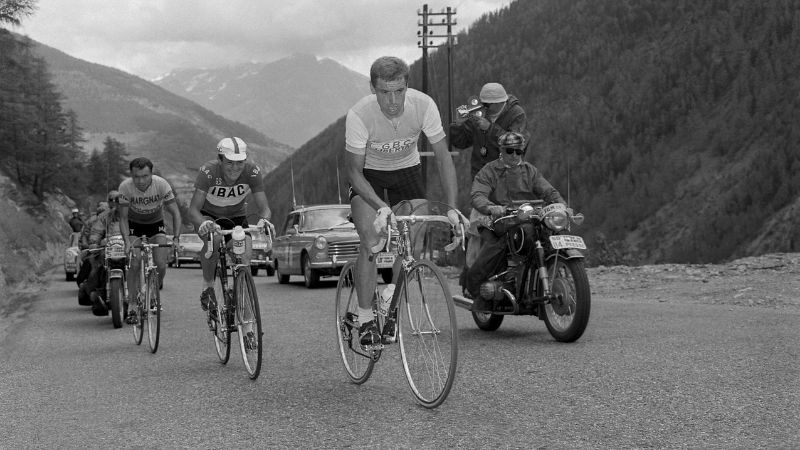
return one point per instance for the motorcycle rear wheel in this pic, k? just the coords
(567, 316)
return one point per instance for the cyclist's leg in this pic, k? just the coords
(133, 274)
(160, 255)
(209, 267)
(366, 270)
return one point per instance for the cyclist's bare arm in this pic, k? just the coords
(177, 221)
(447, 171)
(195, 217)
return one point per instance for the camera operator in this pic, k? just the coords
(500, 113)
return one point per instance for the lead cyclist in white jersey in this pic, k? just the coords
(144, 197)
(383, 165)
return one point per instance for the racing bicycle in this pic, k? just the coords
(420, 315)
(145, 309)
(236, 308)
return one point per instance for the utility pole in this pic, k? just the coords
(429, 39)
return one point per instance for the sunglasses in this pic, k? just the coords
(511, 151)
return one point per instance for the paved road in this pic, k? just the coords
(644, 375)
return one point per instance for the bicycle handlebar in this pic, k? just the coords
(385, 240)
(221, 232)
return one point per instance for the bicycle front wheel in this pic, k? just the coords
(358, 366)
(152, 309)
(136, 309)
(428, 333)
(218, 321)
(248, 323)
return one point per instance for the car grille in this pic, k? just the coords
(343, 250)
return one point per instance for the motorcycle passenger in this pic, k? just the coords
(144, 197)
(220, 190)
(83, 244)
(383, 166)
(107, 224)
(502, 113)
(495, 186)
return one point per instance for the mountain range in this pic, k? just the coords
(176, 133)
(290, 100)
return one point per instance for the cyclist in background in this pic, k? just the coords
(144, 197)
(220, 190)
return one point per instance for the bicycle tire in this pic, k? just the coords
(153, 309)
(115, 295)
(357, 366)
(138, 326)
(248, 323)
(428, 333)
(219, 323)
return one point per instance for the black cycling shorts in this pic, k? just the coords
(147, 229)
(394, 186)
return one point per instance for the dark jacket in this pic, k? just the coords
(497, 184)
(466, 134)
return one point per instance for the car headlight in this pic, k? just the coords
(320, 242)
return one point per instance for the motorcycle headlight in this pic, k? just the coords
(525, 212)
(556, 220)
(320, 242)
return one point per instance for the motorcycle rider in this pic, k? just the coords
(501, 113)
(107, 224)
(496, 185)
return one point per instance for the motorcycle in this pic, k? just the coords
(111, 292)
(544, 274)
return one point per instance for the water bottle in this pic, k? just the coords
(238, 240)
(386, 298)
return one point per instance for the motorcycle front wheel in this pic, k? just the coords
(567, 315)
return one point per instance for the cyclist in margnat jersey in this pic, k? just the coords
(220, 190)
(383, 165)
(143, 199)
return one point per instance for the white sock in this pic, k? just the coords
(365, 315)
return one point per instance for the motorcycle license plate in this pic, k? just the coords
(385, 259)
(566, 241)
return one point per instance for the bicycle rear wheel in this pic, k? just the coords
(218, 320)
(358, 366)
(428, 333)
(135, 307)
(248, 323)
(152, 309)
(115, 296)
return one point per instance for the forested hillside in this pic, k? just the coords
(673, 125)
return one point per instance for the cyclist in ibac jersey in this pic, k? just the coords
(221, 187)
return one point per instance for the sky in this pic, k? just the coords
(150, 38)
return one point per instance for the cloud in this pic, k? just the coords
(152, 37)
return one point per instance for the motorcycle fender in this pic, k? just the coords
(568, 253)
(114, 273)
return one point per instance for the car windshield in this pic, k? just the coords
(327, 218)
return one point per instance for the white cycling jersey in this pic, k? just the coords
(392, 145)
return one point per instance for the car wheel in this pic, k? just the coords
(282, 279)
(310, 276)
(70, 276)
(386, 275)
(254, 270)
(270, 271)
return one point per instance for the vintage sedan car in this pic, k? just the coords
(187, 251)
(262, 254)
(72, 258)
(316, 241)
